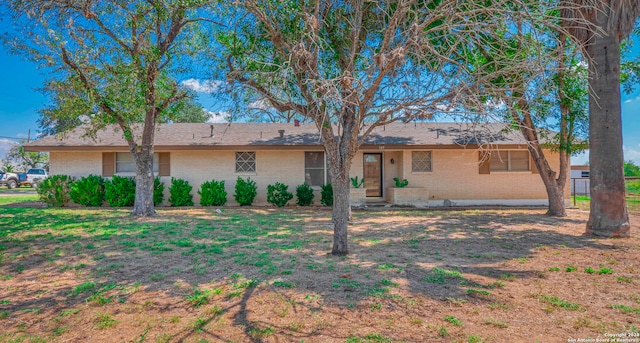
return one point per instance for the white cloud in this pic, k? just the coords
(580, 159)
(495, 104)
(5, 145)
(632, 100)
(218, 117)
(444, 108)
(205, 86)
(631, 154)
(261, 104)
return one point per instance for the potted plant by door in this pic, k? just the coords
(358, 194)
(401, 195)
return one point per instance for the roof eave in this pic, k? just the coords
(200, 147)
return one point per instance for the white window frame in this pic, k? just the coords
(246, 158)
(413, 171)
(325, 178)
(509, 167)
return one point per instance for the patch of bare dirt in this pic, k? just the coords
(264, 275)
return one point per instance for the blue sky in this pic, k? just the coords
(20, 101)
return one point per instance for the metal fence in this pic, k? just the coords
(580, 186)
(580, 193)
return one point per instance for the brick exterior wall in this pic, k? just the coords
(455, 176)
(454, 173)
(76, 164)
(271, 166)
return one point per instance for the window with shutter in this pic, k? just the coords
(108, 166)
(123, 163)
(509, 160)
(164, 164)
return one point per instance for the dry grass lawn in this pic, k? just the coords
(264, 275)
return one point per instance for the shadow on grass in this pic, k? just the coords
(105, 257)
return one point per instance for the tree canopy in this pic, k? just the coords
(114, 62)
(22, 160)
(547, 104)
(68, 111)
(351, 66)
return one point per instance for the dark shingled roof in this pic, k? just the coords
(266, 134)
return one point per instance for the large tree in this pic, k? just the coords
(66, 110)
(548, 107)
(250, 106)
(610, 22)
(117, 58)
(352, 66)
(189, 112)
(22, 160)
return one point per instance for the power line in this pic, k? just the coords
(12, 138)
(28, 138)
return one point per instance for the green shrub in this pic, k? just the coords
(120, 191)
(326, 195)
(401, 183)
(180, 193)
(55, 190)
(246, 191)
(305, 195)
(357, 183)
(158, 191)
(88, 191)
(278, 194)
(212, 193)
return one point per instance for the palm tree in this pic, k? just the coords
(608, 22)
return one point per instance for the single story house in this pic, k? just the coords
(447, 164)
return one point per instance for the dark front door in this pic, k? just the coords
(373, 174)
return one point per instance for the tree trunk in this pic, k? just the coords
(553, 186)
(555, 194)
(340, 150)
(341, 211)
(143, 206)
(608, 216)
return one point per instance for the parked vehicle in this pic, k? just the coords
(32, 177)
(8, 179)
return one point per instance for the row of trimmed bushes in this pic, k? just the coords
(94, 190)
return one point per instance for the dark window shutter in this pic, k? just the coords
(484, 167)
(164, 164)
(532, 163)
(108, 164)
